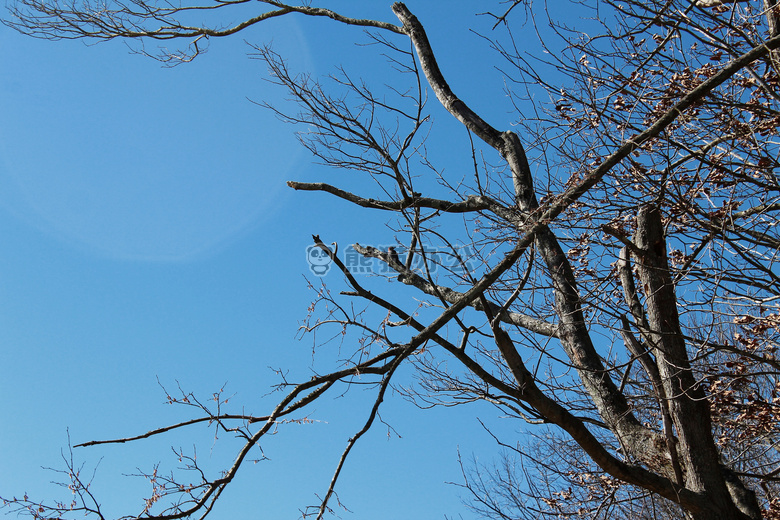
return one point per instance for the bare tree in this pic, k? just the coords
(619, 295)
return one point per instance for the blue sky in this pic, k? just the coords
(146, 233)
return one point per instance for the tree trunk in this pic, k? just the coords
(688, 403)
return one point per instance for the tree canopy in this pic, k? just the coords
(602, 270)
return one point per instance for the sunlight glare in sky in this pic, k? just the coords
(156, 179)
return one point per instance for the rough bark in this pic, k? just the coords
(688, 404)
(772, 8)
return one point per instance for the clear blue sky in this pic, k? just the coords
(146, 232)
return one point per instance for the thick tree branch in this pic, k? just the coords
(436, 80)
(409, 277)
(473, 203)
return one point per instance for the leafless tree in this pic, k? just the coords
(619, 296)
